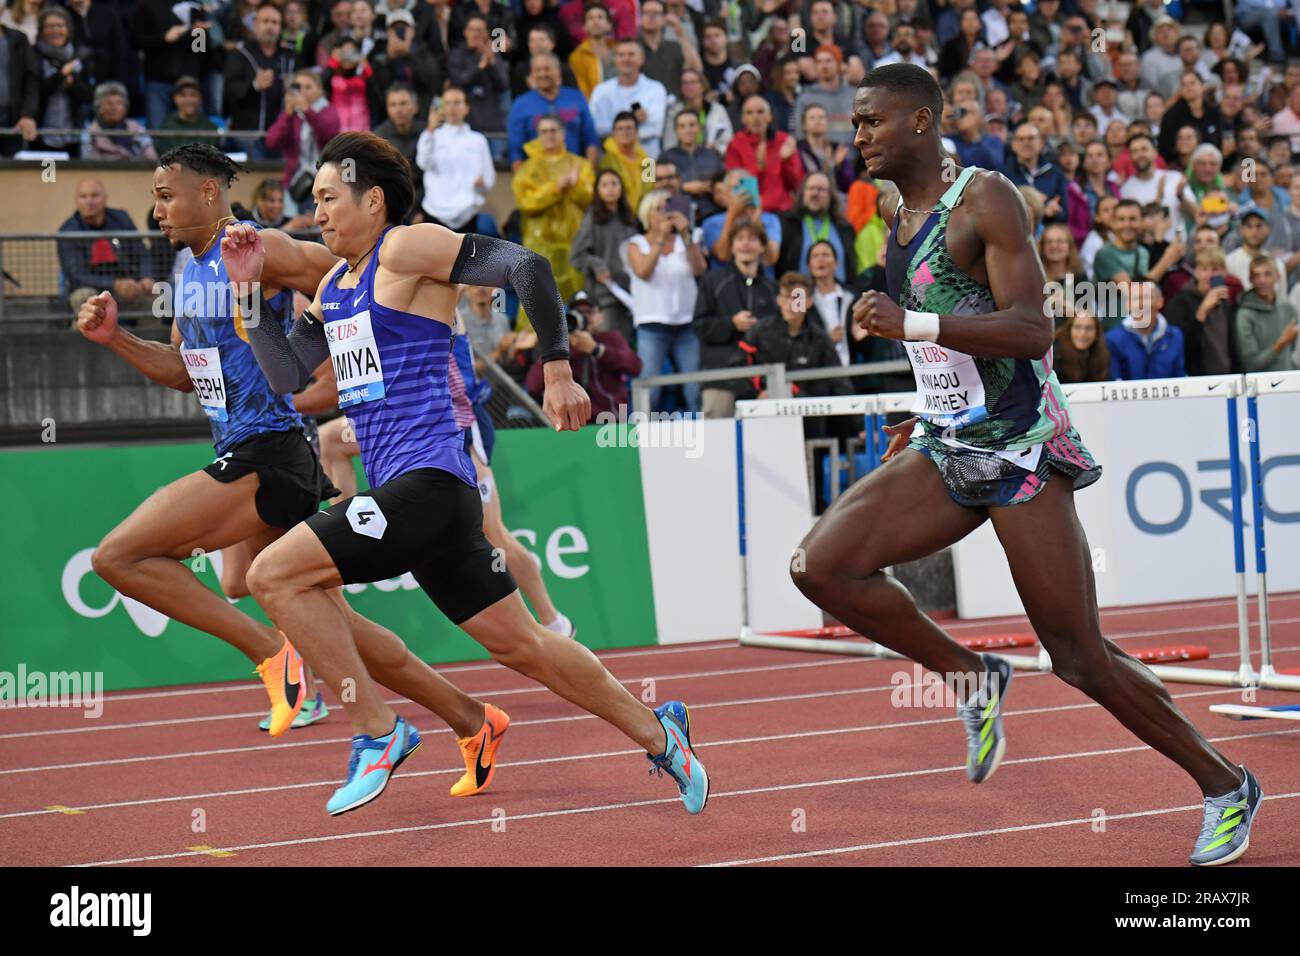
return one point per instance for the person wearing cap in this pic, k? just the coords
(110, 120)
(404, 60)
(1255, 226)
(831, 93)
(1105, 94)
(1266, 16)
(1162, 57)
(745, 82)
(187, 117)
(601, 360)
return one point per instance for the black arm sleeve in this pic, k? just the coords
(287, 361)
(496, 263)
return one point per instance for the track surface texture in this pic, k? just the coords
(813, 759)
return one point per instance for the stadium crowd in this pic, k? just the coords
(687, 165)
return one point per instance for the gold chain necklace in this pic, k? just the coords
(221, 224)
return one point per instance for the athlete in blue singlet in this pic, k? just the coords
(994, 444)
(385, 319)
(265, 477)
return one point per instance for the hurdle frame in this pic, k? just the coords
(1228, 387)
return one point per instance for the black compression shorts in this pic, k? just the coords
(291, 484)
(427, 522)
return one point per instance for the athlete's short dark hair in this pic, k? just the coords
(374, 162)
(203, 159)
(909, 81)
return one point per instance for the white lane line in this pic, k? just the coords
(943, 837)
(541, 814)
(724, 644)
(617, 753)
(248, 715)
(549, 720)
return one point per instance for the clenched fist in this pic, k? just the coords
(878, 314)
(97, 318)
(243, 253)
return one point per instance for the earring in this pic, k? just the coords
(918, 131)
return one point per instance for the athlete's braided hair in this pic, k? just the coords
(203, 159)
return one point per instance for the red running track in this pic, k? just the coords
(814, 760)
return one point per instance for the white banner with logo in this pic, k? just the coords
(1159, 522)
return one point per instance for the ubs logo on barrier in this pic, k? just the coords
(1215, 493)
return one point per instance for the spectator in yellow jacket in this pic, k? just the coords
(626, 156)
(553, 189)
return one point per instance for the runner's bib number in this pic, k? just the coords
(204, 366)
(949, 390)
(356, 360)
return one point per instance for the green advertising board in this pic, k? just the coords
(577, 507)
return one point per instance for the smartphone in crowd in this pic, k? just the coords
(749, 184)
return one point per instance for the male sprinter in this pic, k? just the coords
(384, 316)
(265, 478)
(339, 447)
(994, 442)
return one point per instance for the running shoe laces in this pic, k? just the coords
(665, 762)
(1223, 814)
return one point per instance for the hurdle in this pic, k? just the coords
(1229, 388)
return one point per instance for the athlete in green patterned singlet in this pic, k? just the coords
(992, 441)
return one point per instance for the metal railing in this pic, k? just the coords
(775, 375)
(779, 378)
(35, 289)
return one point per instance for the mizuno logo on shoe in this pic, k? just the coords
(685, 751)
(383, 763)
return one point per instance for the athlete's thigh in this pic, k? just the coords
(237, 558)
(195, 512)
(1051, 564)
(297, 557)
(900, 512)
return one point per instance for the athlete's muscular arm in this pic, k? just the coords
(446, 256)
(97, 321)
(286, 361)
(1020, 328)
(293, 264)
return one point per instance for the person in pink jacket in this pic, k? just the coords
(300, 133)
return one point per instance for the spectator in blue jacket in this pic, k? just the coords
(92, 265)
(548, 97)
(1027, 165)
(1145, 345)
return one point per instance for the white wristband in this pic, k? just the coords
(919, 326)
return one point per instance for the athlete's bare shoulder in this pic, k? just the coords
(887, 205)
(996, 206)
(424, 249)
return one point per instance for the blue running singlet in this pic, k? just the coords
(231, 387)
(391, 368)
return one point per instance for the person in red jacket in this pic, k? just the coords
(769, 156)
(602, 360)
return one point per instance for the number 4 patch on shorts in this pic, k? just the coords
(366, 518)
